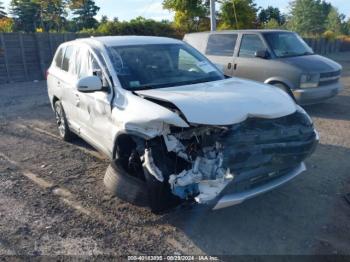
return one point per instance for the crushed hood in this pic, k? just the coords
(225, 102)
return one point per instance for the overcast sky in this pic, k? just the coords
(128, 9)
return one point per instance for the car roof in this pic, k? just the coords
(242, 31)
(111, 41)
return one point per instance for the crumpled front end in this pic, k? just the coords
(205, 163)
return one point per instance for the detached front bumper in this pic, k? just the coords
(317, 94)
(237, 198)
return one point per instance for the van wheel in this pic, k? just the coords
(62, 123)
(126, 187)
(285, 89)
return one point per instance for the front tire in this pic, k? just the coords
(126, 187)
(62, 123)
(284, 88)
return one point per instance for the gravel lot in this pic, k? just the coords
(53, 202)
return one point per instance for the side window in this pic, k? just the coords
(186, 61)
(221, 44)
(68, 58)
(83, 63)
(58, 58)
(87, 65)
(249, 45)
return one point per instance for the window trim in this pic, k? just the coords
(241, 40)
(215, 34)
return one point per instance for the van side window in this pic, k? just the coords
(221, 44)
(249, 45)
(58, 58)
(68, 55)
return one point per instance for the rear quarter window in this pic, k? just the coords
(58, 58)
(221, 44)
(68, 58)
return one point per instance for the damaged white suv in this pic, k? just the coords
(178, 131)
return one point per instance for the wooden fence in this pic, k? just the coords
(26, 57)
(323, 46)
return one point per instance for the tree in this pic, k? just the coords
(237, 14)
(52, 14)
(189, 14)
(85, 12)
(272, 24)
(265, 15)
(308, 16)
(6, 25)
(104, 19)
(333, 22)
(2, 10)
(26, 15)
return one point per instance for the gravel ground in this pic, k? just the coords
(53, 202)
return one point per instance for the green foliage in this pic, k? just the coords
(308, 16)
(137, 26)
(333, 22)
(243, 10)
(266, 15)
(26, 15)
(272, 24)
(6, 25)
(190, 15)
(2, 10)
(329, 35)
(84, 12)
(52, 14)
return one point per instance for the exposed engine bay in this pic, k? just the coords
(199, 162)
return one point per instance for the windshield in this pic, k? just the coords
(162, 65)
(287, 44)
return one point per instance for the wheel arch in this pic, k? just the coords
(284, 82)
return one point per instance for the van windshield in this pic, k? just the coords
(287, 44)
(142, 67)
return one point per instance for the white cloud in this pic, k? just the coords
(155, 11)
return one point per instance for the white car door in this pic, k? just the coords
(66, 82)
(95, 108)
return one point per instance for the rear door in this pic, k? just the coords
(66, 82)
(246, 65)
(220, 49)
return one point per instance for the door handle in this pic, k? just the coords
(234, 66)
(229, 65)
(77, 99)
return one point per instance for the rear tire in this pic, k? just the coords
(62, 123)
(126, 187)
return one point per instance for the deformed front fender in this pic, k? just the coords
(143, 118)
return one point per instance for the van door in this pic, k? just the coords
(220, 49)
(246, 65)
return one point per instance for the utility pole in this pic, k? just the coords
(212, 16)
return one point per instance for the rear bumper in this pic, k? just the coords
(237, 198)
(317, 94)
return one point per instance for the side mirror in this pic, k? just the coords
(262, 54)
(89, 84)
